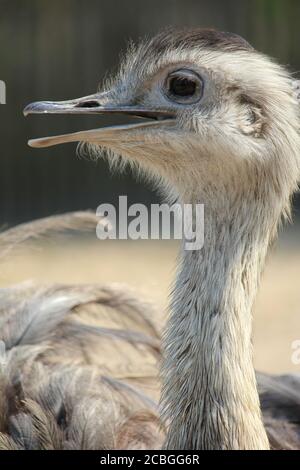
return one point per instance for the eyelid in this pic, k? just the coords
(184, 73)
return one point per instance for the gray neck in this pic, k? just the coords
(210, 399)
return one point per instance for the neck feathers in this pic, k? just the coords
(210, 393)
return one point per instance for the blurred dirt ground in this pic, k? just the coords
(149, 267)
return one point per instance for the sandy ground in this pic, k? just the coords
(149, 266)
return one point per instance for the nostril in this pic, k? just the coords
(88, 104)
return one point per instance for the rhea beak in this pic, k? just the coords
(100, 103)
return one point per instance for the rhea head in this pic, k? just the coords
(217, 117)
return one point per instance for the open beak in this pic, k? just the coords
(100, 103)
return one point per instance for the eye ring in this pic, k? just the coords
(184, 86)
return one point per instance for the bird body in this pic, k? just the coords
(79, 365)
(222, 130)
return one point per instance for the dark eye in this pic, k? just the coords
(184, 86)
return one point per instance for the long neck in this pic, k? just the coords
(210, 399)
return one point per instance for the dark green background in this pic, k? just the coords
(60, 49)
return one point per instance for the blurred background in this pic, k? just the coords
(62, 49)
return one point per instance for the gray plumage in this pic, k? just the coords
(56, 391)
(225, 133)
(55, 349)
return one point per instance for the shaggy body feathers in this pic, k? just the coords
(79, 370)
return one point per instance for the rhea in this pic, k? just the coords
(221, 127)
